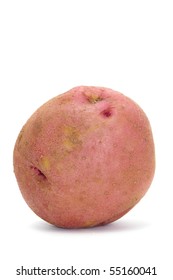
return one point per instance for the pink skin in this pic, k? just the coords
(85, 158)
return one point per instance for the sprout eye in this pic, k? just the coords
(38, 172)
(107, 113)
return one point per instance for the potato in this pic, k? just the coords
(85, 158)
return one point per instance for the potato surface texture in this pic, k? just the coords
(85, 158)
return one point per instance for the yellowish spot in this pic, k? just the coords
(89, 224)
(45, 163)
(97, 180)
(93, 98)
(72, 137)
(63, 100)
(59, 167)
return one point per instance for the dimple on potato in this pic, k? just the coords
(85, 158)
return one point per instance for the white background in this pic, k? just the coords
(48, 47)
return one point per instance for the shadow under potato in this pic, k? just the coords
(118, 226)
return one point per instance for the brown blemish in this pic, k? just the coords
(134, 201)
(124, 192)
(115, 184)
(115, 145)
(106, 193)
(77, 181)
(21, 140)
(20, 136)
(37, 127)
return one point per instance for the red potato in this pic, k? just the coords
(85, 158)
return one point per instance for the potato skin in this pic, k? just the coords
(85, 158)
